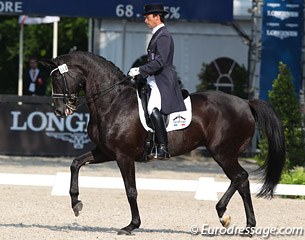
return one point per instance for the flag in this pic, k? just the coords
(23, 19)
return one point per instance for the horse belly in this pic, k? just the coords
(184, 141)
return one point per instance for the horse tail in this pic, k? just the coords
(271, 126)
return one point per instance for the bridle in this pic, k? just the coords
(69, 99)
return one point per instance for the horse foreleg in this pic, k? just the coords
(127, 169)
(94, 156)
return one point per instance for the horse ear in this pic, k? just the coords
(49, 64)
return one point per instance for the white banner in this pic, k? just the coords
(23, 19)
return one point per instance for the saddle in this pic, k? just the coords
(172, 122)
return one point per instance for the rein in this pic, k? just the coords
(107, 90)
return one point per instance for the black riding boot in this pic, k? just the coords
(161, 152)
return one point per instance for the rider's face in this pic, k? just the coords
(152, 20)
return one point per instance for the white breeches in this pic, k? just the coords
(155, 96)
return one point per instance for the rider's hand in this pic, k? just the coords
(134, 72)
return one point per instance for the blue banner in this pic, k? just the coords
(282, 32)
(202, 10)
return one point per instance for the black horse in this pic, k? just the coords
(223, 123)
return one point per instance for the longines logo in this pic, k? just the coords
(281, 34)
(78, 139)
(72, 129)
(282, 14)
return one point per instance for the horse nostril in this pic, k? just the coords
(58, 113)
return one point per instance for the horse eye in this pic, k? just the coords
(56, 78)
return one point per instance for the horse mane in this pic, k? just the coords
(102, 62)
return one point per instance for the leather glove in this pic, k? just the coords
(134, 72)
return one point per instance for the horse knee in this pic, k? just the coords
(76, 164)
(73, 165)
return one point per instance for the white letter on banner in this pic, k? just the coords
(15, 122)
(80, 124)
(43, 121)
(18, 7)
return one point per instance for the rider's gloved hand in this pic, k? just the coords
(134, 72)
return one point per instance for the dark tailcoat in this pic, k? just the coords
(40, 83)
(160, 64)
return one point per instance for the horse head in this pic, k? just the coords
(67, 81)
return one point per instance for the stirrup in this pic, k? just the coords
(159, 153)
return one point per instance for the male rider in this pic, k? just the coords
(166, 96)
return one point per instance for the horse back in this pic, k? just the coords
(221, 121)
(226, 106)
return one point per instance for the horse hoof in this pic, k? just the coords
(246, 233)
(225, 221)
(124, 232)
(77, 208)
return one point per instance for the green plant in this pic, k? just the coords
(263, 151)
(284, 100)
(294, 176)
(206, 77)
(240, 78)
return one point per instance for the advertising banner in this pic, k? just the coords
(34, 129)
(282, 33)
(207, 10)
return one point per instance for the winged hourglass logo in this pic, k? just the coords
(78, 139)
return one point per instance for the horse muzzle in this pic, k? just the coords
(64, 112)
(64, 109)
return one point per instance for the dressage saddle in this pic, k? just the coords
(156, 142)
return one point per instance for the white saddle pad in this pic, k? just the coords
(177, 120)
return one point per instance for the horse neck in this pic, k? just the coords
(104, 108)
(99, 76)
(101, 90)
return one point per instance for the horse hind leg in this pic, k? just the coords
(94, 156)
(240, 182)
(244, 191)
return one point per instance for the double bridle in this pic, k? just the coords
(69, 99)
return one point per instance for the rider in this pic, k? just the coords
(166, 96)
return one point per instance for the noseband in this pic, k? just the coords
(68, 98)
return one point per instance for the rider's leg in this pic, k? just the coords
(153, 108)
(161, 135)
